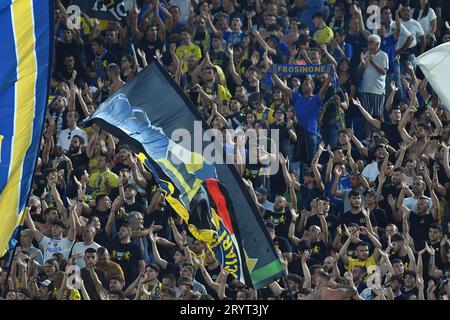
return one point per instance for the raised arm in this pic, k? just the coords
(374, 122)
(30, 223)
(161, 262)
(284, 87)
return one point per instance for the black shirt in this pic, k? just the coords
(281, 221)
(102, 216)
(419, 225)
(219, 59)
(282, 244)
(349, 217)
(127, 256)
(392, 134)
(80, 161)
(332, 223)
(319, 251)
(89, 284)
(308, 195)
(150, 47)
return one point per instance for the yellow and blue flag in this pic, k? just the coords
(26, 38)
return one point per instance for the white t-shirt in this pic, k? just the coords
(415, 28)
(55, 245)
(425, 21)
(80, 248)
(402, 37)
(371, 171)
(373, 81)
(65, 138)
(411, 203)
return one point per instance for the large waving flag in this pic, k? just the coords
(435, 65)
(148, 112)
(26, 37)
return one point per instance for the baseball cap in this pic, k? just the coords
(261, 191)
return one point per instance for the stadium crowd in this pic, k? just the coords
(359, 208)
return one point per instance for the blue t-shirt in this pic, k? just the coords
(388, 45)
(233, 37)
(307, 13)
(348, 50)
(307, 110)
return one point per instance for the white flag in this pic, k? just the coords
(435, 65)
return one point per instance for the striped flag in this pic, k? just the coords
(26, 38)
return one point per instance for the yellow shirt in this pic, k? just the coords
(188, 51)
(369, 264)
(266, 114)
(324, 35)
(97, 182)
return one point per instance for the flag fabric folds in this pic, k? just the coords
(26, 35)
(105, 9)
(435, 65)
(147, 112)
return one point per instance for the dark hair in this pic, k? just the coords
(362, 244)
(295, 278)
(436, 226)
(386, 24)
(323, 274)
(320, 15)
(397, 237)
(117, 278)
(90, 250)
(99, 40)
(119, 293)
(396, 261)
(154, 266)
(399, 278)
(353, 193)
(170, 276)
(187, 30)
(99, 197)
(417, 10)
(79, 138)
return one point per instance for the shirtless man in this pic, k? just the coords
(328, 290)
(421, 143)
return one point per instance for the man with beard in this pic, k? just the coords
(211, 88)
(420, 221)
(279, 216)
(418, 191)
(127, 254)
(50, 216)
(77, 154)
(56, 243)
(158, 213)
(359, 215)
(241, 95)
(235, 118)
(201, 36)
(79, 248)
(390, 129)
(66, 135)
(398, 249)
(421, 143)
(372, 170)
(217, 54)
(102, 209)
